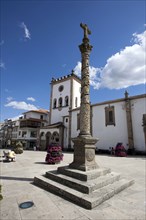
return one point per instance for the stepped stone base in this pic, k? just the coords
(87, 189)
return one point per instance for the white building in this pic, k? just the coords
(29, 127)
(25, 129)
(65, 96)
(113, 121)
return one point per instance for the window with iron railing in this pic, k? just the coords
(32, 124)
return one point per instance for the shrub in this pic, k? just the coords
(18, 149)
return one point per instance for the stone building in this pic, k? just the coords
(113, 121)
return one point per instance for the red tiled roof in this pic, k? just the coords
(38, 111)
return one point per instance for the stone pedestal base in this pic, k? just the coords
(87, 189)
(84, 153)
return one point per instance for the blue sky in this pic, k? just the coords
(39, 40)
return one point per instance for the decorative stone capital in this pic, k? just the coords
(85, 47)
(85, 139)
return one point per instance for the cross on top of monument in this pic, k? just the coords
(86, 30)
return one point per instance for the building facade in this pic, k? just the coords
(65, 96)
(113, 121)
(121, 120)
(25, 129)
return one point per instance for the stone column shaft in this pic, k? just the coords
(84, 144)
(85, 98)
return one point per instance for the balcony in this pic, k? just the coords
(30, 123)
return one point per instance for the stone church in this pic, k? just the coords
(121, 120)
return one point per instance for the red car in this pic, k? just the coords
(54, 154)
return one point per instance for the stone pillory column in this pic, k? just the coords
(84, 144)
(83, 182)
(85, 49)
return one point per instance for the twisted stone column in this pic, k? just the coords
(85, 49)
(84, 144)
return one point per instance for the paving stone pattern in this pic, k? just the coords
(17, 178)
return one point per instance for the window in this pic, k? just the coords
(42, 134)
(54, 103)
(24, 133)
(55, 137)
(78, 121)
(60, 102)
(33, 134)
(66, 120)
(14, 135)
(109, 115)
(76, 102)
(30, 123)
(41, 117)
(15, 129)
(144, 120)
(61, 88)
(66, 101)
(144, 125)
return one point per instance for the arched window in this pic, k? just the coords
(55, 137)
(54, 103)
(42, 134)
(60, 102)
(76, 102)
(66, 101)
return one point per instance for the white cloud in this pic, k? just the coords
(26, 31)
(21, 105)
(64, 65)
(9, 99)
(77, 69)
(7, 90)
(94, 74)
(123, 69)
(31, 99)
(16, 117)
(2, 42)
(2, 65)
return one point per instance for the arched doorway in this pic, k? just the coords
(55, 137)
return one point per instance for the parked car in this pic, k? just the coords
(54, 154)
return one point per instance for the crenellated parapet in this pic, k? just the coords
(66, 77)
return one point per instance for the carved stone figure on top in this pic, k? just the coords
(86, 30)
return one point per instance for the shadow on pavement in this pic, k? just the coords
(41, 163)
(16, 178)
